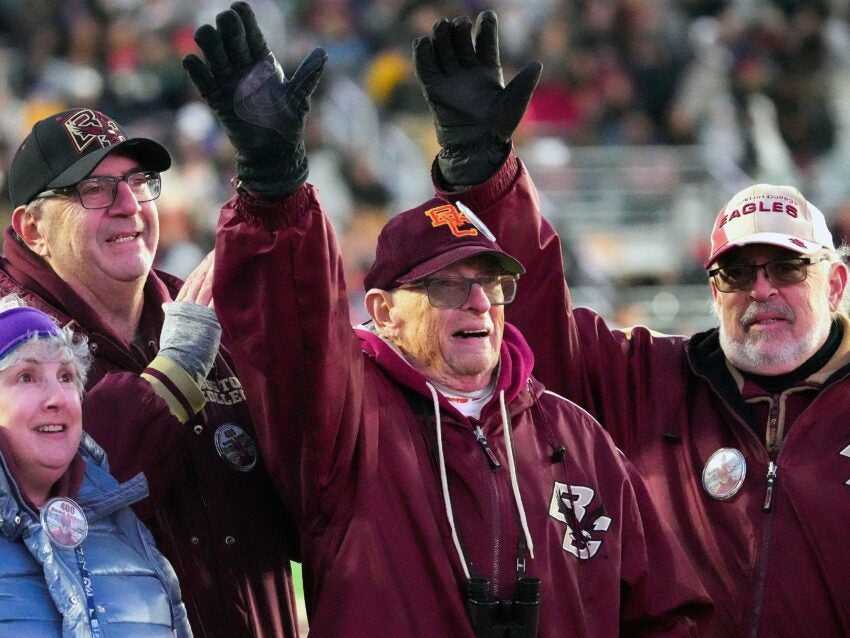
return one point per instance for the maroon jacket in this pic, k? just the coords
(349, 431)
(218, 521)
(669, 403)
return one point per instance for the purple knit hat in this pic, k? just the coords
(18, 324)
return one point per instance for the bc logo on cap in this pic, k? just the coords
(449, 216)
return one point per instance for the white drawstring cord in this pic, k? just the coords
(512, 468)
(444, 483)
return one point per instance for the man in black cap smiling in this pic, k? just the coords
(81, 246)
(438, 489)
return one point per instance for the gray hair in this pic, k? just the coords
(841, 255)
(66, 346)
(35, 207)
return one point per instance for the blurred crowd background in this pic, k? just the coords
(649, 115)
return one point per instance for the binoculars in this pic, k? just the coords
(494, 617)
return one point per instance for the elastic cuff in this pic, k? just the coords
(176, 387)
(269, 214)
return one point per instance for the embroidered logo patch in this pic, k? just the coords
(88, 127)
(569, 505)
(450, 216)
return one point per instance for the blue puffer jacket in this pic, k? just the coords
(135, 589)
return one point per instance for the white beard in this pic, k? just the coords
(758, 353)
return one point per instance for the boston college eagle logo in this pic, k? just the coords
(569, 505)
(87, 127)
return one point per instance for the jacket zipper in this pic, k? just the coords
(494, 465)
(485, 446)
(764, 547)
(772, 441)
(771, 444)
(772, 468)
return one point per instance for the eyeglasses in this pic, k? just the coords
(780, 272)
(452, 292)
(100, 191)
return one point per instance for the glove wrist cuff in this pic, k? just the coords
(489, 142)
(271, 176)
(462, 166)
(254, 198)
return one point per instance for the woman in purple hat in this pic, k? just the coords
(74, 559)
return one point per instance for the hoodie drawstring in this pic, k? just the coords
(509, 434)
(444, 483)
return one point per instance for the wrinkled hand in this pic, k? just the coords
(262, 112)
(463, 83)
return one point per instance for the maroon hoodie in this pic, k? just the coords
(372, 460)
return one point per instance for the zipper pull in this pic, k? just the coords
(482, 441)
(771, 483)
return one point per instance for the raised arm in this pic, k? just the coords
(261, 110)
(576, 354)
(475, 116)
(278, 283)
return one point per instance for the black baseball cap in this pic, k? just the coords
(64, 148)
(428, 238)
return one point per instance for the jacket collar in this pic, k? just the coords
(707, 360)
(515, 364)
(100, 495)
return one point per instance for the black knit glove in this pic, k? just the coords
(261, 111)
(475, 114)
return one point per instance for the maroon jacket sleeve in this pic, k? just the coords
(611, 373)
(280, 297)
(664, 600)
(136, 436)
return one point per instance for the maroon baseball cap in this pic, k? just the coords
(64, 148)
(428, 238)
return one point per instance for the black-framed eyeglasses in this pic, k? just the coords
(452, 292)
(100, 191)
(780, 272)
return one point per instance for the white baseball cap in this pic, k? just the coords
(768, 214)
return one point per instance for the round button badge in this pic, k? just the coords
(65, 522)
(236, 446)
(724, 473)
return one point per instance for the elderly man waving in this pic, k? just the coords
(438, 488)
